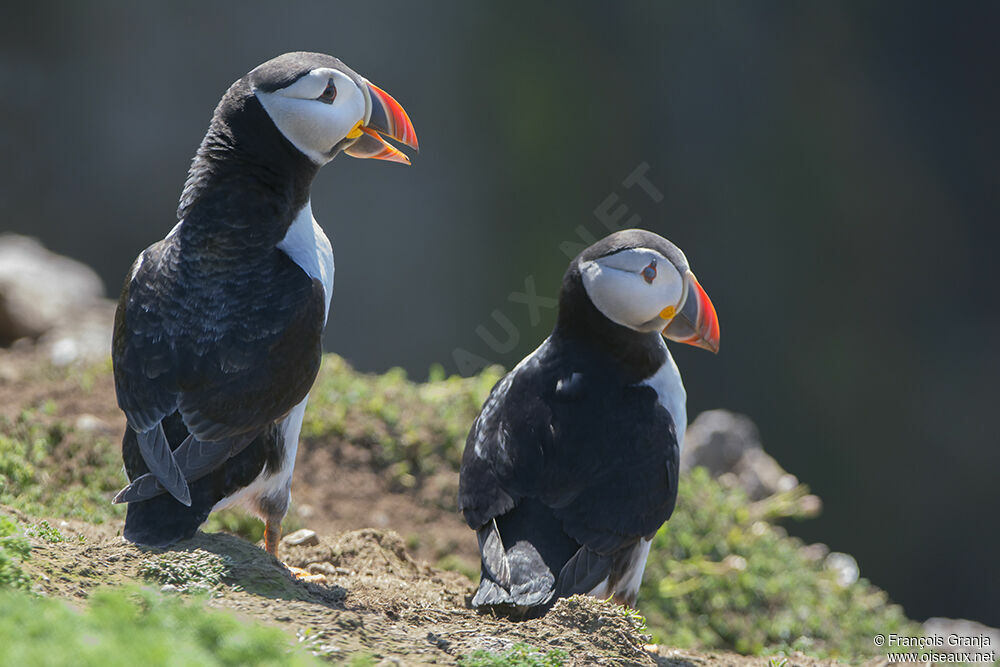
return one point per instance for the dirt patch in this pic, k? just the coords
(377, 599)
(336, 489)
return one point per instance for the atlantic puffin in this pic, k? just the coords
(571, 467)
(217, 336)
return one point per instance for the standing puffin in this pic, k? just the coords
(217, 336)
(571, 467)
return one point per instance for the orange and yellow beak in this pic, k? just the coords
(696, 323)
(387, 118)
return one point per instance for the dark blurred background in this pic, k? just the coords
(830, 169)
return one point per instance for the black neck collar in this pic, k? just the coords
(247, 181)
(635, 355)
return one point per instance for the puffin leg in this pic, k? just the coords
(272, 536)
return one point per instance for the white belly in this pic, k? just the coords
(670, 390)
(627, 587)
(307, 245)
(273, 483)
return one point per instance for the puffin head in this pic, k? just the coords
(640, 280)
(324, 107)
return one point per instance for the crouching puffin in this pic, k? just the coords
(217, 336)
(571, 467)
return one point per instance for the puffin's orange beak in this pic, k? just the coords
(696, 323)
(387, 118)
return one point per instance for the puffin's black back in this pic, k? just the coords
(216, 328)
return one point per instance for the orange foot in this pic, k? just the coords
(306, 575)
(272, 534)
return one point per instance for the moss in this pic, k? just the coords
(188, 570)
(720, 576)
(518, 655)
(134, 627)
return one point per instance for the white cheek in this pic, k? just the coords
(626, 299)
(312, 126)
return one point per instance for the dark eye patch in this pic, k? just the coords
(329, 93)
(649, 273)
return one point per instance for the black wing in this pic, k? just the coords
(232, 347)
(572, 460)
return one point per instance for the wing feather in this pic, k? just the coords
(232, 351)
(162, 465)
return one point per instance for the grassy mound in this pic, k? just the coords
(722, 574)
(125, 626)
(412, 429)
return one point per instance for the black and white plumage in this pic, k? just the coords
(217, 336)
(572, 465)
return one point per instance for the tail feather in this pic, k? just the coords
(522, 551)
(584, 571)
(162, 521)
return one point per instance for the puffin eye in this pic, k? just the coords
(649, 273)
(329, 94)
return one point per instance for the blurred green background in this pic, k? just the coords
(830, 169)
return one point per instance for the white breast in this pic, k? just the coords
(670, 389)
(307, 245)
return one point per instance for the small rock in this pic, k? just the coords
(844, 566)
(90, 424)
(728, 445)
(40, 289)
(64, 351)
(168, 588)
(301, 538)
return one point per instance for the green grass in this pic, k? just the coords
(49, 468)
(518, 655)
(14, 548)
(721, 576)
(412, 429)
(130, 627)
(43, 530)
